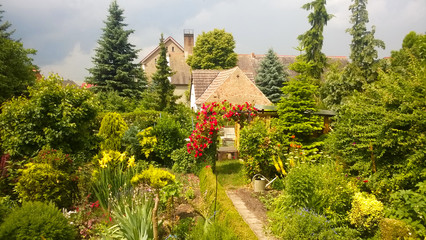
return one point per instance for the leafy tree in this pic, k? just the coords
(312, 40)
(161, 84)
(114, 68)
(213, 50)
(53, 115)
(363, 46)
(295, 108)
(16, 68)
(4, 33)
(271, 76)
(413, 46)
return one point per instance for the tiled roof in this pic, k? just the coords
(201, 80)
(217, 82)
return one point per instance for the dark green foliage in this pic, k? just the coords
(111, 131)
(131, 143)
(56, 158)
(410, 207)
(183, 162)
(53, 115)
(42, 182)
(296, 107)
(258, 143)
(213, 50)
(114, 68)
(16, 69)
(312, 41)
(161, 87)
(363, 52)
(4, 32)
(271, 76)
(36, 220)
(112, 102)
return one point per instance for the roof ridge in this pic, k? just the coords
(169, 38)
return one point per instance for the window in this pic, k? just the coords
(173, 49)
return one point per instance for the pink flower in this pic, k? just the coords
(208, 166)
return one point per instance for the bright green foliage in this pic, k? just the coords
(271, 76)
(56, 158)
(114, 68)
(207, 230)
(36, 220)
(132, 216)
(381, 131)
(161, 82)
(312, 41)
(42, 182)
(111, 101)
(154, 177)
(213, 50)
(4, 33)
(183, 162)
(16, 69)
(413, 46)
(366, 212)
(148, 141)
(410, 207)
(53, 115)
(258, 145)
(363, 52)
(111, 131)
(395, 229)
(296, 108)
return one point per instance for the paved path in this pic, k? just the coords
(255, 224)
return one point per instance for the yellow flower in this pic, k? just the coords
(103, 162)
(122, 157)
(131, 162)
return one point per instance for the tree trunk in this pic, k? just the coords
(154, 216)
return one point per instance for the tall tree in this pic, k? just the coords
(161, 83)
(4, 33)
(363, 46)
(114, 68)
(213, 50)
(312, 40)
(16, 68)
(271, 76)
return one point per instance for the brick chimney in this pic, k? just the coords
(188, 41)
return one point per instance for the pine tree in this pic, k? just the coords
(4, 27)
(312, 40)
(114, 68)
(161, 83)
(271, 76)
(363, 46)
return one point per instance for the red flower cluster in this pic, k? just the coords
(209, 124)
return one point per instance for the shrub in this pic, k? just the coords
(42, 182)
(112, 130)
(366, 212)
(36, 220)
(131, 143)
(183, 161)
(55, 158)
(395, 229)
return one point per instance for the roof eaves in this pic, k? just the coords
(155, 50)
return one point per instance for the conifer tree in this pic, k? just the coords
(4, 33)
(161, 81)
(114, 68)
(312, 41)
(363, 46)
(271, 76)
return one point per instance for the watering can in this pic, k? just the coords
(260, 182)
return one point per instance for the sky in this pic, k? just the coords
(65, 32)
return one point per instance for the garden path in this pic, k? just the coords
(256, 224)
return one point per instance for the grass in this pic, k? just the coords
(230, 173)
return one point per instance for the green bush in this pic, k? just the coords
(36, 220)
(131, 143)
(112, 130)
(56, 158)
(183, 161)
(366, 213)
(395, 229)
(42, 182)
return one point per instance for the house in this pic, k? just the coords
(232, 85)
(176, 56)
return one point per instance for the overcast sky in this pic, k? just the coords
(65, 32)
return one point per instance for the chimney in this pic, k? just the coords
(188, 41)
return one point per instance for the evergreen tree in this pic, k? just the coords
(363, 46)
(312, 40)
(271, 76)
(4, 27)
(161, 83)
(114, 68)
(214, 50)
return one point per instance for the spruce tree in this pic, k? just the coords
(4, 33)
(162, 87)
(271, 76)
(363, 46)
(312, 41)
(114, 68)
